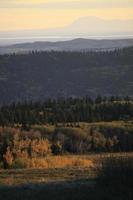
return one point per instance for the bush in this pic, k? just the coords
(56, 148)
(19, 164)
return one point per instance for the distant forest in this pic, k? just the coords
(38, 75)
(61, 110)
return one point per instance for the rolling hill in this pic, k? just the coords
(78, 45)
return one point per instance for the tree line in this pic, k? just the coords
(67, 110)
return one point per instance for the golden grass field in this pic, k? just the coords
(57, 168)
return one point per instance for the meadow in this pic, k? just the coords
(110, 177)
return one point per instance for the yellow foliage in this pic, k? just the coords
(59, 162)
(40, 148)
(31, 148)
(8, 157)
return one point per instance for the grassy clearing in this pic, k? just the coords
(61, 162)
(110, 178)
(54, 162)
(82, 125)
(58, 168)
(43, 176)
(52, 168)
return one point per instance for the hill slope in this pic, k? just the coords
(72, 45)
(49, 74)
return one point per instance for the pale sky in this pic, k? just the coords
(43, 14)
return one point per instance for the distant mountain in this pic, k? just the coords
(40, 75)
(81, 28)
(72, 45)
(97, 26)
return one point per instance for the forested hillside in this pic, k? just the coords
(38, 75)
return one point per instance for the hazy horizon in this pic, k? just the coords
(57, 20)
(89, 27)
(11, 41)
(46, 14)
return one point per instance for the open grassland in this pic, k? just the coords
(110, 178)
(82, 125)
(43, 176)
(59, 168)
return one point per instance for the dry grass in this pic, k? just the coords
(52, 162)
(49, 129)
(35, 176)
(67, 161)
(57, 168)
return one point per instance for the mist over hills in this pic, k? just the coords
(78, 45)
(85, 27)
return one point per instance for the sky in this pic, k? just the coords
(45, 14)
